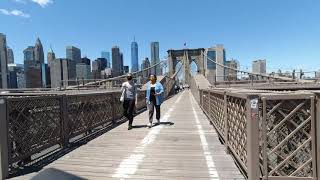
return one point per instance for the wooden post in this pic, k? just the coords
(253, 138)
(4, 159)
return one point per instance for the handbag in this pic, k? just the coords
(123, 94)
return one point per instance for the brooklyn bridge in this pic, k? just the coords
(261, 127)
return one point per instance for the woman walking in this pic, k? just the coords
(154, 98)
(129, 98)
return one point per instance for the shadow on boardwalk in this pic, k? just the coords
(145, 126)
(38, 164)
(53, 174)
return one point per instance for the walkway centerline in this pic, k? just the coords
(129, 165)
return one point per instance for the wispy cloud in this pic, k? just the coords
(14, 12)
(20, 1)
(43, 3)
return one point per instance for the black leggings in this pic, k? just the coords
(128, 107)
(151, 108)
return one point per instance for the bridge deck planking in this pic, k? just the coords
(177, 151)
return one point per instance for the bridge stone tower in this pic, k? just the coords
(186, 56)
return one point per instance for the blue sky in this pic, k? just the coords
(285, 32)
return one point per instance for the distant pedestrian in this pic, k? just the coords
(176, 89)
(129, 98)
(154, 98)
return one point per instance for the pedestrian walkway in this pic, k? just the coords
(184, 146)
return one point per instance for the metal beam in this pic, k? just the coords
(4, 159)
(253, 138)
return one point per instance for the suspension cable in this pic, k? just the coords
(245, 72)
(123, 76)
(176, 73)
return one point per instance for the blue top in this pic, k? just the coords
(158, 89)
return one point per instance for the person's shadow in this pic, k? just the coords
(164, 123)
(139, 126)
(156, 124)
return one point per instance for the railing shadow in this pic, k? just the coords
(40, 163)
(53, 174)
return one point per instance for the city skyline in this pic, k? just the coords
(281, 37)
(218, 89)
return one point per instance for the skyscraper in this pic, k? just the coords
(117, 61)
(32, 68)
(3, 62)
(16, 75)
(84, 69)
(51, 56)
(221, 59)
(38, 52)
(39, 60)
(73, 53)
(215, 72)
(106, 55)
(29, 53)
(126, 69)
(155, 57)
(98, 66)
(211, 55)
(231, 74)
(145, 64)
(134, 57)
(46, 82)
(121, 64)
(259, 66)
(10, 56)
(62, 70)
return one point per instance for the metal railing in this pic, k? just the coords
(34, 122)
(271, 135)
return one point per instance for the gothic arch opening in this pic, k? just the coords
(179, 69)
(192, 61)
(193, 68)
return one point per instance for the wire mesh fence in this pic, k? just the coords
(32, 122)
(271, 135)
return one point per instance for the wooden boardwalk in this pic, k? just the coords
(184, 147)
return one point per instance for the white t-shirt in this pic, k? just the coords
(130, 89)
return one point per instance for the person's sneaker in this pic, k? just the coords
(149, 125)
(158, 121)
(129, 127)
